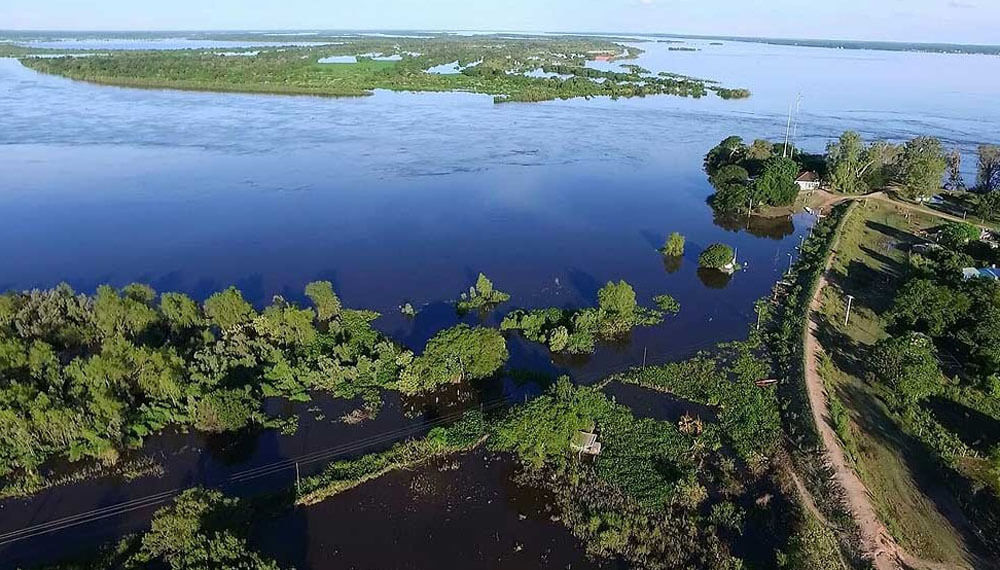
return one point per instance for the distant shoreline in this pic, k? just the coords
(876, 45)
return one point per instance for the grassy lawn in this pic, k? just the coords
(898, 471)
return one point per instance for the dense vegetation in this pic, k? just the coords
(88, 376)
(577, 331)
(674, 246)
(202, 529)
(498, 65)
(761, 174)
(716, 256)
(917, 167)
(481, 296)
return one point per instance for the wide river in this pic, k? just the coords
(405, 197)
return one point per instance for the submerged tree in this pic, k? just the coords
(716, 256)
(674, 246)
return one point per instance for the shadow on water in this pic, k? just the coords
(713, 278)
(770, 227)
(672, 263)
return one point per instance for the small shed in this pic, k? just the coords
(808, 180)
(585, 442)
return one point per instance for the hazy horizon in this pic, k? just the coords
(914, 21)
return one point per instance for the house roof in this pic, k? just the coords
(808, 176)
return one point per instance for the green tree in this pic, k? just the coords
(957, 234)
(730, 151)
(324, 299)
(716, 256)
(925, 306)
(616, 308)
(180, 311)
(732, 190)
(227, 309)
(923, 166)
(128, 316)
(482, 295)
(776, 184)
(846, 164)
(674, 246)
(760, 150)
(955, 180)
(667, 304)
(908, 365)
(988, 176)
(988, 206)
(454, 355)
(201, 530)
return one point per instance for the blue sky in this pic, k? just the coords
(965, 21)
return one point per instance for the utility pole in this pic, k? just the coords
(789, 263)
(758, 318)
(847, 317)
(298, 481)
(788, 127)
(802, 242)
(644, 358)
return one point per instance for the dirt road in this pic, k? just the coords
(877, 543)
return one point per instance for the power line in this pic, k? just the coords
(240, 477)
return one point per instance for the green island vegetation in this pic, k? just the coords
(674, 246)
(914, 376)
(500, 65)
(752, 177)
(88, 377)
(577, 331)
(716, 256)
(659, 494)
(482, 296)
(667, 304)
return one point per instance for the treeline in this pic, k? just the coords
(750, 176)
(918, 168)
(87, 376)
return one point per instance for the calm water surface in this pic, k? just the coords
(405, 197)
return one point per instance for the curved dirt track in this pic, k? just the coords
(877, 543)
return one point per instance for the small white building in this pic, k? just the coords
(808, 180)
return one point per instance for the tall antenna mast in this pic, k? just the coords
(793, 106)
(795, 122)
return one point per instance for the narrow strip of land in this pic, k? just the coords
(877, 543)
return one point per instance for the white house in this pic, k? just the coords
(808, 180)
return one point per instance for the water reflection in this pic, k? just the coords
(771, 227)
(672, 263)
(713, 278)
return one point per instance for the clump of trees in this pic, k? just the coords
(988, 176)
(761, 174)
(674, 246)
(86, 376)
(481, 296)
(667, 304)
(908, 365)
(917, 166)
(201, 529)
(454, 355)
(577, 331)
(716, 256)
